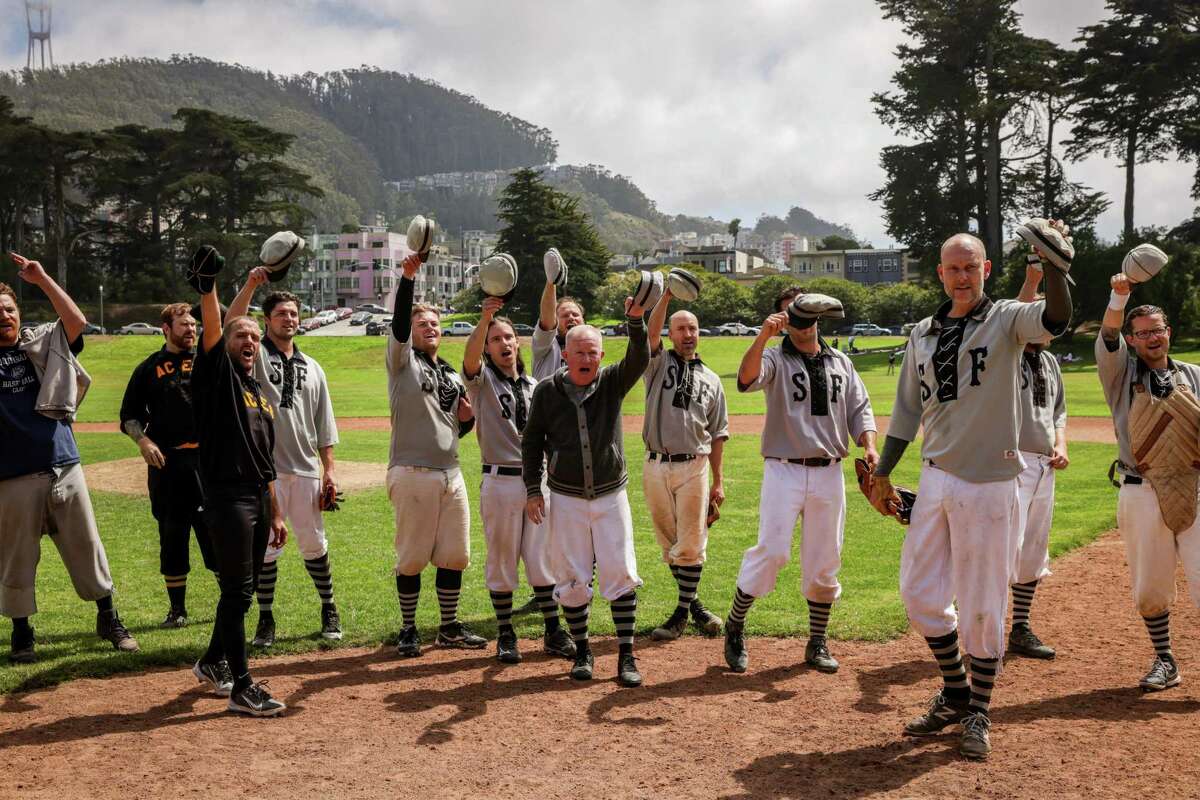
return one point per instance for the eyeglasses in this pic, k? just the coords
(1153, 333)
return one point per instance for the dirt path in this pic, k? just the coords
(128, 476)
(363, 723)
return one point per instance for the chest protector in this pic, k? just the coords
(1165, 436)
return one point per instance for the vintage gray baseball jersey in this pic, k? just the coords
(959, 382)
(501, 410)
(547, 352)
(304, 420)
(1120, 370)
(685, 405)
(1043, 405)
(423, 395)
(814, 403)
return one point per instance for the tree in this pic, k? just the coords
(609, 297)
(721, 300)
(835, 242)
(898, 303)
(735, 226)
(764, 292)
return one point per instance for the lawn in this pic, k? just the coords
(361, 554)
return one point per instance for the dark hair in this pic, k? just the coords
(1143, 311)
(275, 298)
(786, 296)
(170, 312)
(8, 290)
(509, 323)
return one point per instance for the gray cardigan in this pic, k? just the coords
(64, 382)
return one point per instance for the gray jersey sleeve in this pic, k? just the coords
(654, 368)
(398, 354)
(906, 413)
(546, 353)
(859, 416)
(1060, 401)
(327, 432)
(718, 415)
(766, 373)
(1026, 319)
(473, 384)
(1112, 367)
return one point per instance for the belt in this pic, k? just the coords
(809, 462)
(1131, 480)
(672, 458)
(511, 472)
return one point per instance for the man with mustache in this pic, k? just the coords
(556, 317)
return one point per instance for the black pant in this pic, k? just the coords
(238, 517)
(175, 501)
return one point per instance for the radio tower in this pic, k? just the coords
(39, 31)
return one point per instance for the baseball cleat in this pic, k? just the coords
(735, 647)
(408, 643)
(110, 629)
(264, 632)
(627, 671)
(216, 675)
(708, 622)
(176, 618)
(256, 701)
(585, 662)
(1163, 674)
(21, 651)
(459, 636)
(672, 629)
(506, 648)
(1023, 641)
(816, 655)
(942, 713)
(975, 742)
(331, 623)
(559, 643)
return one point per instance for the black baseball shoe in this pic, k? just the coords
(506, 648)
(627, 671)
(21, 647)
(264, 632)
(331, 623)
(408, 644)
(176, 618)
(708, 622)
(215, 675)
(816, 655)
(256, 701)
(460, 636)
(110, 629)
(1023, 641)
(975, 742)
(1163, 674)
(559, 643)
(735, 647)
(672, 629)
(942, 713)
(585, 662)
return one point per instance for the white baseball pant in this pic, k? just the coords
(960, 547)
(817, 497)
(433, 518)
(1153, 550)
(510, 536)
(677, 496)
(299, 501)
(1035, 511)
(595, 532)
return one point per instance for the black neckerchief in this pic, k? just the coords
(685, 386)
(520, 413)
(287, 392)
(1160, 387)
(440, 371)
(1037, 381)
(814, 365)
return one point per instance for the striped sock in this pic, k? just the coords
(624, 613)
(741, 605)
(176, 590)
(1160, 633)
(408, 587)
(266, 587)
(549, 608)
(949, 659)
(502, 602)
(1022, 600)
(688, 579)
(449, 585)
(322, 578)
(818, 618)
(577, 621)
(983, 678)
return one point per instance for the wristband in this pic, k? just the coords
(1117, 302)
(1034, 261)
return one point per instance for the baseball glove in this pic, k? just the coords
(331, 498)
(714, 514)
(901, 510)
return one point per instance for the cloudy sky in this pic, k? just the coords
(721, 108)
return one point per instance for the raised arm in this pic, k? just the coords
(751, 366)
(546, 318)
(1057, 314)
(1114, 315)
(637, 352)
(402, 312)
(477, 341)
(240, 306)
(658, 318)
(210, 318)
(1033, 279)
(72, 318)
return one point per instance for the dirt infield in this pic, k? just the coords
(128, 476)
(363, 723)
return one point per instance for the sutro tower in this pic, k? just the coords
(39, 31)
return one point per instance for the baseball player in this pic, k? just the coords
(305, 433)
(556, 317)
(575, 424)
(42, 488)
(684, 428)
(1141, 381)
(430, 412)
(816, 402)
(501, 394)
(156, 413)
(959, 382)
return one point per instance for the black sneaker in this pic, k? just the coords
(1163, 674)
(22, 648)
(460, 636)
(816, 655)
(110, 629)
(176, 618)
(216, 675)
(264, 632)
(256, 701)
(559, 643)
(735, 647)
(408, 644)
(1023, 641)
(672, 629)
(585, 662)
(975, 742)
(331, 623)
(708, 622)
(942, 713)
(627, 671)
(506, 648)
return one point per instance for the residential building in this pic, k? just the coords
(724, 261)
(818, 264)
(478, 245)
(873, 267)
(780, 250)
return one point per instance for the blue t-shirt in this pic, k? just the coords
(29, 441)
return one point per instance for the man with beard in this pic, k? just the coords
(550, 334)
(156, 413)
(305, 433)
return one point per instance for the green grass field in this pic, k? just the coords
(362, 557)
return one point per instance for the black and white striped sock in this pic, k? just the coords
(1159, 627)
(449, 586)
(741, 605)
(818, 618)
(1022, 601)
(983, 679)
(322, 578)
(266, 587)
(949, 659)
(577, 621)
(624, 614)
(545, 600)
(502, 602)
(688, 579)
(176, 590)
(408, 587)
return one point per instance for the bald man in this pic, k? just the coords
(959, 381)
(685, 427)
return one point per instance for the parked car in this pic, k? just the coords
(708, 332)
(327, 317)
(523, 330)
(372, 308)
(139, 329)
(733, 329)
(868, 329)
(310, 324)
(360, 318)
(91, 329)
(344, 313)
(459, 328)
(379, 327)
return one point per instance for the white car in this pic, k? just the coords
(139, 329)
(459, 328)
(733, 329)
(327, 317)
